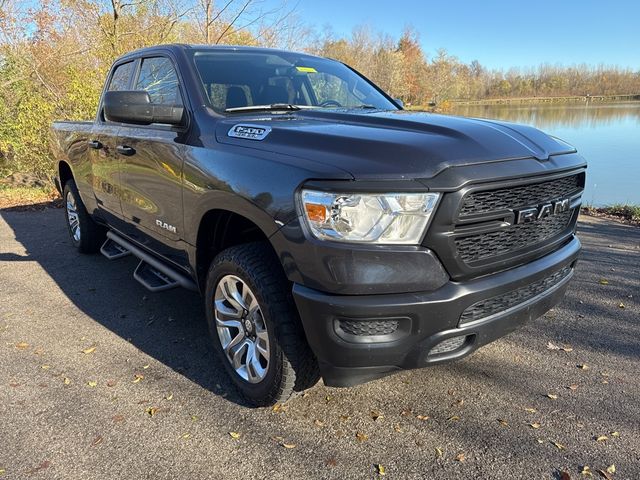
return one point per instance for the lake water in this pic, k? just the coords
(607, 135)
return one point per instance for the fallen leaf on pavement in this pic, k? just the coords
(604, 474)
(151, 411)
(375, 415)
(234, 435)
(438, 452)
(530, 410)
(92, 384)
(288, 445)
(42, 466)
(535, 425)
(168, 397)
(454, 418)
(552, 396)
(559, 446)
(615, 434)
(185, 435)
(45, 367)
(572, 387)
(621, 305)
(586, 471)
(381, 469)
(602, 438)
(111, 383)
(89, 350)
(22, 345)
(611, 469)
(361, 436)
(504, 423)
(398, 428)
(422, 417)
(279, 407)
(66, 381)
(97, 441)
(144, 367)
(318, 423)
(460, 457)
(604, 281)
(583, 366)
(138, 378)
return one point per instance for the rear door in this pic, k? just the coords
(105, 172)
(151, 159)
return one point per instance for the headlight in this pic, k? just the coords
(390, 218)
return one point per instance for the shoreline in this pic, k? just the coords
(561, 99)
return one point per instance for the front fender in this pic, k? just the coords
(260, 186)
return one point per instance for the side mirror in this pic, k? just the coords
(135, 107)
(399, 102)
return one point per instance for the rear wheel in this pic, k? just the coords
(255, 327)
(87, 236)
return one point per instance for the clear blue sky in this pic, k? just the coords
(500, 34)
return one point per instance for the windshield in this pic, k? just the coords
(237, 79)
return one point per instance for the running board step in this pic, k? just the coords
(152, 278)
(151, 272)
(113, 250)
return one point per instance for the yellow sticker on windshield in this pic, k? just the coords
(307, 69)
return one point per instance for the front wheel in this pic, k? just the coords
(255, 327)
(87, 236)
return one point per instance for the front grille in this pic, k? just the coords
(500, 303)
(368, 327)
(520, 196)
(475, 232)
(514, 237)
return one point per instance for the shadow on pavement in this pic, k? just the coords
(168, 326)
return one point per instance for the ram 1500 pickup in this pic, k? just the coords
(331, 233)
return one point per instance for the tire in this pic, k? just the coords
(289, 365)
(86, 235)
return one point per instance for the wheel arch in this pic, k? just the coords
(221, 228)
(64, 173)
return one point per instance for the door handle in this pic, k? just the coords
(94, 144)
(125, 150)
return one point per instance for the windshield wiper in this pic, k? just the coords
(268, 108)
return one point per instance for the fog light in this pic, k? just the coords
(448, 345)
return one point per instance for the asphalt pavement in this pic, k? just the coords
(101, 379)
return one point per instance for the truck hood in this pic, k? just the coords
(391, 144)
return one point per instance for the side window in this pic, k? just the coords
(121, 76)
(159, 78)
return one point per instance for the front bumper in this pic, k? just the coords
(422, 320)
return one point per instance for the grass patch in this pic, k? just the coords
(28, 198)
(628, 213)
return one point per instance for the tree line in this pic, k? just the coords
(54, 56)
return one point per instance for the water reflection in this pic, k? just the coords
(608, 135)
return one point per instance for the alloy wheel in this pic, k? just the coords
(241, 329)
(72, 217)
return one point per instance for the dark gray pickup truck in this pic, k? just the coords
(330, 232)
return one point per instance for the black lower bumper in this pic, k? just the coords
(358, 338)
